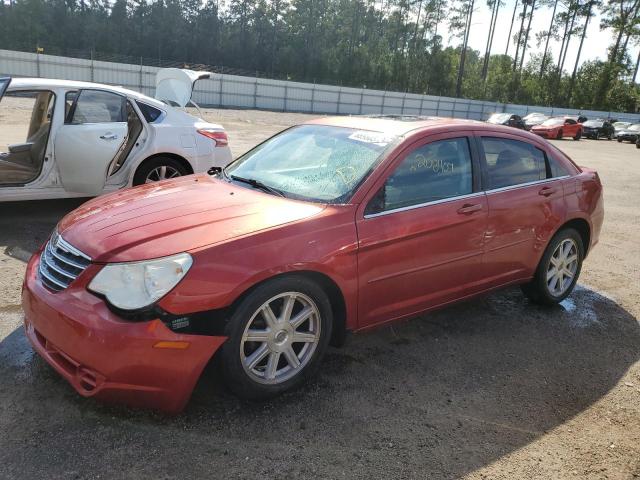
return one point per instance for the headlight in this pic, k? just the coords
(135, 285)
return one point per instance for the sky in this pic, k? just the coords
(595, 44)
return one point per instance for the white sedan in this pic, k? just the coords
(62, 138)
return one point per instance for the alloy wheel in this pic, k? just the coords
(562, 267)
(162, 172)
(280, 338)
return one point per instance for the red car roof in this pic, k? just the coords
(394, 125)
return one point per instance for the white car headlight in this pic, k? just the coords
(135, 285)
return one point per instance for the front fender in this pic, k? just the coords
(223, 273)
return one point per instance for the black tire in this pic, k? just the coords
(537, 289)
(609, 137)
(239, 380)
(579, 135)
(619, 140)
(637, 145)
(148, 166)
(559, 135)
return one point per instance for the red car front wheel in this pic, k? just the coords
(277, 337)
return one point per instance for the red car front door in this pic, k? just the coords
(525, 207)
(571, 128)
(421, 231)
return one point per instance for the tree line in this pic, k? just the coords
(385, 44)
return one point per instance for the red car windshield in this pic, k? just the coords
(553, 122)
(313, 162)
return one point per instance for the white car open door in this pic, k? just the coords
(95, 128)
(4, 84)
(174, 86)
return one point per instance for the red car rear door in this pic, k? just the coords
(421, 230)
(525, 207)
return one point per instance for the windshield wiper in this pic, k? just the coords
(257, 184)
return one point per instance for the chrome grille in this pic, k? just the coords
(61, 263)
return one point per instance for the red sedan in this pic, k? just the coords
(336, 225)
(558, 128)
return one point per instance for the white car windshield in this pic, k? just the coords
(312, 162)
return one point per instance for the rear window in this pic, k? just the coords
(150, 114)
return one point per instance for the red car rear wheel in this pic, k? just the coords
(558, 270)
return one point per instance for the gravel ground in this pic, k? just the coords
(490, 388)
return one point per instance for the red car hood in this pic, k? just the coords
(164, 218)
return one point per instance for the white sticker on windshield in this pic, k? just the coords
(378, 138)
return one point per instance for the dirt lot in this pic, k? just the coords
(492, 388)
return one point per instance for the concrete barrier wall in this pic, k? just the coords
(232, 91)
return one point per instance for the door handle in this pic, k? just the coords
(109, 136)
(469, 208)
(546, 191)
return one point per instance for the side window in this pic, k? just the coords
(432, 172)
(511, 162)
(94, 106)
(557, 169)
(151, 114)
(570, 121)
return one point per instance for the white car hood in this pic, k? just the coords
(174, 86)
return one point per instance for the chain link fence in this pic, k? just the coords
(235, 88)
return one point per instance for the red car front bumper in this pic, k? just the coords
(105, 357)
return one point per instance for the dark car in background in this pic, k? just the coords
(629, 134)
(534, 118)
(577, 118)
(598, 128)
(508, 119)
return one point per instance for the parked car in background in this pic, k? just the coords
(61, 138)
(629, 134)
(577, 118)
(318, 231)
(619, 126)
(596, 129)
(507, 119)
(558, 128)
(532, 119)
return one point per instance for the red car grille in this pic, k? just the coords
(61, 263)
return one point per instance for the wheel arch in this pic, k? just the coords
(583, 227)
(183, 161)
(331, 288)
